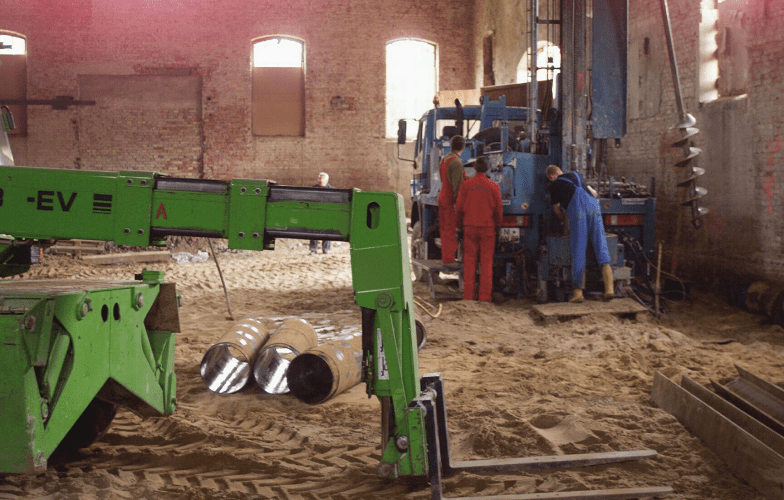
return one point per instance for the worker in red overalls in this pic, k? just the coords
(479, 213)
(452, 176)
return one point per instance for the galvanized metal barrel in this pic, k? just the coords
(756, 296)
(327, 370)
(226, 366)
(766, 298)
(293, 337)
(774, 307)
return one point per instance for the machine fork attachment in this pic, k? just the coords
(440, 464)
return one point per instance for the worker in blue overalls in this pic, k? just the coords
(568, 192)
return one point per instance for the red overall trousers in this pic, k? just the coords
(479, 212)
(447, 220)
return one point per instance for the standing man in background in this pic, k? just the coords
(568, 192)
(322, 181)
(479, 213)
(452, 176)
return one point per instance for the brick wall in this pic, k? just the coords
(206, 48)
(740, 139)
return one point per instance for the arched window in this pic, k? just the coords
(279, 86)
(725, 61)
(412, 80)
(13, 84)
(548, 64)
(708, 49)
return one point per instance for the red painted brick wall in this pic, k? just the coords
(210, 42)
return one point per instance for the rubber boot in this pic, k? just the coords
(577, 295)
(609, 283)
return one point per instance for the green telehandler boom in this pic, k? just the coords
(74, 351)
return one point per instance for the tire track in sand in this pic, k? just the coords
(248, 458)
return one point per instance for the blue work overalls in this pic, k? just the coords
(585, 221)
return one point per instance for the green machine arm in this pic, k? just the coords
(49, 338)
(141, 209)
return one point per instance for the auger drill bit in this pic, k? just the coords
(689, 183)
(688, 130)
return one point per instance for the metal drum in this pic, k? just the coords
(327, 370)
(756, 296)
(766, 298)
(292, 337)
(774, 306)
(226, 366)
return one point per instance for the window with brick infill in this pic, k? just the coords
(278, 93)
(13, 84)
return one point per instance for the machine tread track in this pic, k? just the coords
(250, 458)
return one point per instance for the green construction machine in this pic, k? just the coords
(73, 352)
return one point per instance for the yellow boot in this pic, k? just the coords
(577, 295)
(609, 283)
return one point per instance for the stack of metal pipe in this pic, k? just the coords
(293, 337)
(326, 370)
(226, 366)
(287, 360)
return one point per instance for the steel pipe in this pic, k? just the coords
(327, 370)
(293, 337)
(226, 366)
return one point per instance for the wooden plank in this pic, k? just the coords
(772, 389)
(74, 246)
(433, 265)
(558, 311)
(741, 402)
(744, 454)
(77, 247)
(128, 257)
(771, 397)
(79, 243)
(736, 415)
(71, 248)
(757, 397)
(432, 268)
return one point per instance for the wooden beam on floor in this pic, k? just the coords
(757, 397)
(77, 247)
(128, 257)
(748, 457)
(744, 420)
(562, 311)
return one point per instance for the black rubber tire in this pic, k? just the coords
(387, 420)
(416, 234)
(90, 427)
(421, 334)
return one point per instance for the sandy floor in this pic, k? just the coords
(514, 387)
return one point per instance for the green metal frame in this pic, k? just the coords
(141, 209)
(63, 344)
